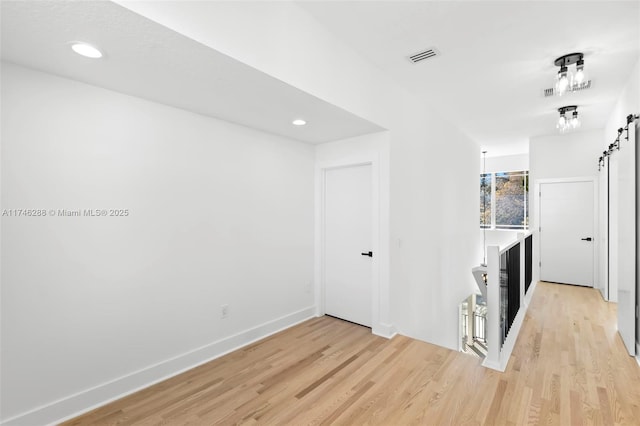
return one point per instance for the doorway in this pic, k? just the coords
(566, 232)
(348, 243)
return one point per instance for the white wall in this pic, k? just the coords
(628, 103)
(433, 187)
(505, 163)
(433, 167)
(501, 237)
(218, 214)
(567, 155)
(435, 240)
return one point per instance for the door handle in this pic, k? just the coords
(586, 239)
(369, 253)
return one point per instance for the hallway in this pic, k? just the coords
(568, 367)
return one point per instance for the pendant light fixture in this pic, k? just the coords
(566, 80)
(568, 119)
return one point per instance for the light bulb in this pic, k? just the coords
(564, 81)
(575, 123)
(562, 122)
(579, 77)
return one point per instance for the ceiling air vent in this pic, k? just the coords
(577, 88)
(425, 54)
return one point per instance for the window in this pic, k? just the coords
(504, 200)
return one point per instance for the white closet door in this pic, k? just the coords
(603, 234)
(348, 218)
(614, 206)
(566, 232)
(626, 243)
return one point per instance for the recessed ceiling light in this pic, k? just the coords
(298, 122)
(86, 50)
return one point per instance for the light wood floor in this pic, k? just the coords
(569, 367)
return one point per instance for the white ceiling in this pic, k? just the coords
(145, 59)
(496, 60)
(496, 57)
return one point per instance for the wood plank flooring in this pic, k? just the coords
(568, 367)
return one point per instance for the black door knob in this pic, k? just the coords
(369, 253)
(586, 239)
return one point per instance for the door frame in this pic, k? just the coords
(596, 232)
(374, 238)
(380, 304)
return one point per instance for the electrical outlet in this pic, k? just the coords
(224, 311)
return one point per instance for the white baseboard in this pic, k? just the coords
(603, 293)
(492, 365)
(89, 399)
(529, 294)
(638, 352)
(387, 331)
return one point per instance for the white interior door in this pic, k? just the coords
(566, 232)
(348, 234)
(603, 228)
(612, 233)
(626, 240)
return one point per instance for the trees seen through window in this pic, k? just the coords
(504, 200)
